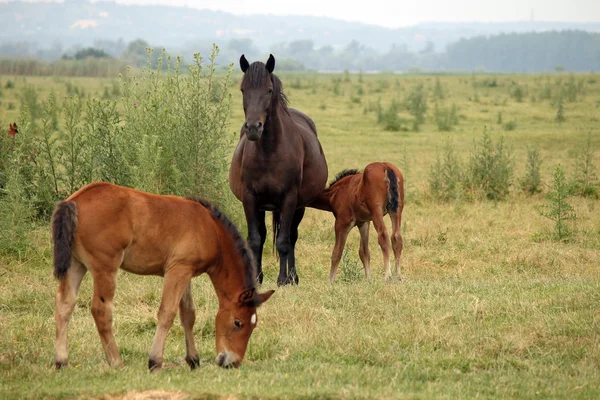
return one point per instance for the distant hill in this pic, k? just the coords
(78, 22)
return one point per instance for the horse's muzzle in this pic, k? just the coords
(254, 130)
(228, 359)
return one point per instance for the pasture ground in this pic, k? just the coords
(490, 307)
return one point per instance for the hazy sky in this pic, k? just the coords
(395, 13)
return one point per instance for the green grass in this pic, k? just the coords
(490, 307)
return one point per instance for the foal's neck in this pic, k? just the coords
(324, 201)
(228, 275)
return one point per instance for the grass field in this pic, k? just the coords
(490, 306)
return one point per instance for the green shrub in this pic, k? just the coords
(531, 182)
(445, 118)
(445, 175)
(510, 125)
(490, 168)
(585, 181)
(558, 209)
(171, 137)
(416, 104)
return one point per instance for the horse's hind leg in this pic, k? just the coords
(176, 280)
(66, 297)
(363, 251)
(105, 278)
(384, 241)
(397, 242)
(187, 313)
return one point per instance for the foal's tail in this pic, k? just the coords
(392, 195)
(64, 223)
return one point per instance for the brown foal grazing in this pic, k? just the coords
(357, 198)
(103, 227)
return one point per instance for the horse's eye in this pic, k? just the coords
(237, 323)
(270, 91)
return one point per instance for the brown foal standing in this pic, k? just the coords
(103, 227)
(357, 198)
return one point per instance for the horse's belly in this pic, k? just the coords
(141, 262)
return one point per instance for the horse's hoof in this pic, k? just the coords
(60, 364)
(193, 362)
(286, 281)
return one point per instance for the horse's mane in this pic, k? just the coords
(240, 244)
(343, 174)
(257, 75)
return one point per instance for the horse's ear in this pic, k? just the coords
(262, 297)
(15, 125)
(246, 296)
(271, 63)
(244, 64)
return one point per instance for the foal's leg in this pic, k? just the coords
(363, 251)
(397, 242)
(383, 239)
(342, 229)
(66, 297)
(176, 280)
(105, 278)
(187, 313)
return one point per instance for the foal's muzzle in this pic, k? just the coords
(227, 359)
(254, 130)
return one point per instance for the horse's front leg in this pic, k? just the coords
(257, 232)
(287, 266)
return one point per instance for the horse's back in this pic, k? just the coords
(303, 120)
(314, 171)
(148, 231)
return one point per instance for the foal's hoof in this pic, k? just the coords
(193, 362)
(153, 365)
(60, 364)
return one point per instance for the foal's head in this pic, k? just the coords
(261, 91)
(238, 298)
(235, 322)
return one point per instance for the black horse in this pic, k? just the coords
(278, 165)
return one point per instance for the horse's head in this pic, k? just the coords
(12, 129)
(258, 92)
(235, 322)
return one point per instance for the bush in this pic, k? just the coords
(416, 104)
(490, 168)
(445, 118)
(510, 125)
(445, 175)
(585, 181)
(171, 138)
(559, 210)
(531, 181)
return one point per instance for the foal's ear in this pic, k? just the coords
(271, 63)
(265, 296)
(246, 296)
(15, 125)
(244, 64)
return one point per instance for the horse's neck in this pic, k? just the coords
(274, 132)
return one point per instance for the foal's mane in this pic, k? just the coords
(240, 244)
(256, 77)
(343, 174)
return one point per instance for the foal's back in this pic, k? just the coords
(145, 232)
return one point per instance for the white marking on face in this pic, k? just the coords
(253, 319)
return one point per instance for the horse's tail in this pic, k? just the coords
(276, 225)
(64, 223)
(392, 195)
